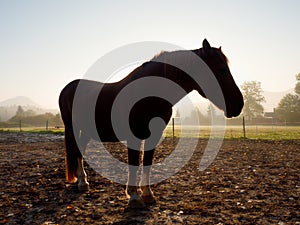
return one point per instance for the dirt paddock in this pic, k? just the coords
(250, 182)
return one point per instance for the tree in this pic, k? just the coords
(211, 111)
(297, 87)
(57, 119)
(39, 120)
(20, 112)
(195, 117)
(289, 108)
(253, 100)
(29, 112)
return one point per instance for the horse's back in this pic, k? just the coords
(68, 93)
(88, 104)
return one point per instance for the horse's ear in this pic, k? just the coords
(206, 45)
(220, 48)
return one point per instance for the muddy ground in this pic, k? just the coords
(250, 182)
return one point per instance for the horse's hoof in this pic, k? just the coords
(149, 199)
(136, 204)
(83, 187)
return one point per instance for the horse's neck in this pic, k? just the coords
(157, 68)
(170, 64)
(177, 75)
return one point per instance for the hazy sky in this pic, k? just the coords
(46, 44)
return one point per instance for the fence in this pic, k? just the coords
(258, 130)
(21, 126)
(175, 129)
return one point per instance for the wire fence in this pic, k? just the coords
(21, 126)
(273, 131)
(236, 132)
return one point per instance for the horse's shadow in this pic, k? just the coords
(127, 215)
(136, 216)
(101, 192)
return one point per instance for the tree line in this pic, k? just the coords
(288, 109)
(29, 118)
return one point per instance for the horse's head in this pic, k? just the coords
(218, 64)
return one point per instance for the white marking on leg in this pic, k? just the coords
(147, 194)
(131, 188)
(83, 185)
(135, 201)
(145, 176)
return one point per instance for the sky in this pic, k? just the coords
(46, 44)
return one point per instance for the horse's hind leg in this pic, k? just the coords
(74, 160)
(83, 185)
(70, 155)
(135, 200)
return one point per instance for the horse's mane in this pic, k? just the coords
(160, 54)
(150, 65)
(166, 53)
(223, 56)
(218, 51)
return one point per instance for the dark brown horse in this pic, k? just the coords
(78, 119)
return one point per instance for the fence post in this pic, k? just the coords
(47, 125)
(256, 130)
(20, 125)
(244, 127)
(173, 129)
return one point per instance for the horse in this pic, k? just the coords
(141, 113)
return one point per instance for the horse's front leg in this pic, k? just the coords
(83, 185)
(135, 200)
(147, 194)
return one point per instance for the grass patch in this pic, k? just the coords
(231, 132)
(34, 130)
(236, 132)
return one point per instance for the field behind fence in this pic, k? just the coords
(271, 132)
(237, 131)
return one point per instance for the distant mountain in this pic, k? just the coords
(19, 100)
(8, 108)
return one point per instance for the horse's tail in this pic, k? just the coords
(72, 152)
(71, 156)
